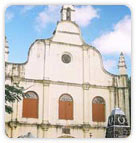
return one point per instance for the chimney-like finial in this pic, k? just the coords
(122, 65)
(6, 49)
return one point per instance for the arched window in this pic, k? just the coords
(98, 109)
(66, 107)
(30, 105)
(68, 14)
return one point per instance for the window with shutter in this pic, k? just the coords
(98, 109)
(66, 107)
(30, 105)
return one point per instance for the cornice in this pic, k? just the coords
(85, 86)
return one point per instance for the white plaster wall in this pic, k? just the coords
(57, 133)
(67, 38)
(34, 68)
(62, 33)
(22, 130)
(97, 75)
(67, 26)
(98, 133)
(59, 71)
(52, 132)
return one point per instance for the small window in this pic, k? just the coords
(30, 105)
(66, 58)
(98, 109)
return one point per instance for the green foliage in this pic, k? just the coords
(12, 94)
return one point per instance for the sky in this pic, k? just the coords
(106, 27)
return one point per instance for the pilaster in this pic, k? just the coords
(13, 125)
(112, 98)
(120, 96)
(86, 87)
(86, 129)
(85, 64)
(46, 102)
(45, 128)
(46, 75)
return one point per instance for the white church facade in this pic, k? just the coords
(71, 94)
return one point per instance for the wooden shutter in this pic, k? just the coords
(98, 112)
(66, 108)
(30, 106)
(62, 113)
(98, 109)
(69, 110)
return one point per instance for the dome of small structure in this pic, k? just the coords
(117, 111)
(117, 117)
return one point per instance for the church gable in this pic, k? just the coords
(97, 73)
(67, 32)
(35, 62)
(45, 56)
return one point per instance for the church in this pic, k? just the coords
(71, 95)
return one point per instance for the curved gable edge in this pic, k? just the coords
(80, 35)
(28, 55)
(101, 60)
